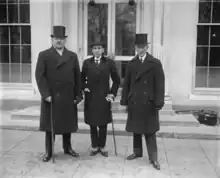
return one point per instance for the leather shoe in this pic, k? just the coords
(46, 157)
(156, 164)
(133, 156)
(71, 152)
(94, 152)
(104, 153)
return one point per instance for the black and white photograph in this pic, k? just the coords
(109, 88)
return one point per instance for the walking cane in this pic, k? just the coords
(113, 133)
(52, 131)
(113, 130)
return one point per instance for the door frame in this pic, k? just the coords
(83, 24)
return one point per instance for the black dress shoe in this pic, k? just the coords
(46, 157)
(156, 165)
(104, 153)
(71, 152)
(94, 152)
(133, 156)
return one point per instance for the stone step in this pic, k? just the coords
(33, 113)
(181, 132)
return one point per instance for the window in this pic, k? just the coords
(15, 41)
(208, 45)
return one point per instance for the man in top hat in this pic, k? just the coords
(59, 82)
(96, 72)
(143, 95)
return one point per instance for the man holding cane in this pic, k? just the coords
(96, 72)
(59, 82)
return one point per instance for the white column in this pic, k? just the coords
(40, 32)
(57, 12)
(158, 39)
(147, 21)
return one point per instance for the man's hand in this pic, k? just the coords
(110, 97)
(49, 99)
(86, 90)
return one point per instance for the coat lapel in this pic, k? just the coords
(145, 66)
(62, 59)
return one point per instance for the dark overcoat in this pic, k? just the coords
(58, 76)
(97, 111)
(143, 94)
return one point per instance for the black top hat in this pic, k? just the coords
(141, 38)
(97, 41)
(59, 32)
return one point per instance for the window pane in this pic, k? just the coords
(15, 73)
(15, 53)
(203, 35)
(125, 29)
(24, 13)
(97, 24)
(215, 35)
(4, 73)
(3, 13)
(204, 12)
(26, 54)
(4, 35)
(12, 1)
(214, 77)
(26, 73)
(202, 56)
(3, 1)
(25, 35)
(24, 1)
(201, 77)
(15, 34)
(216, 12)
(13, 13)
(4, 54)
(214, 56)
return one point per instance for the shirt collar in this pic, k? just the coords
(143, 57)
(98, 59)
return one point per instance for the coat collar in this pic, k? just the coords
(141, 68)
(61, 59)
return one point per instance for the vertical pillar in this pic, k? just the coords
(40, 33)
(158, 38)
(57, 13)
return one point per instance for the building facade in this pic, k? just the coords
(184, 35)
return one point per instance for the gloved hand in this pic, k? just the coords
(77, 100)
(110, 97)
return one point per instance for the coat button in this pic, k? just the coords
(145, 92)
(145, 81)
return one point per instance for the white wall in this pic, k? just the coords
(180, 46)
(40, 18)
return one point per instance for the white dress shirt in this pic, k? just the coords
(142, 58)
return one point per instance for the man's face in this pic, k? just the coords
(141, 49)
(58, 43)
(97, 50)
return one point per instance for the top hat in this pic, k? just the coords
(59, 32)
(97, 41)
(141, 38)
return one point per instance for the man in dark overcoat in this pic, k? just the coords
(96, 73)
(58, 79)
(143, 95)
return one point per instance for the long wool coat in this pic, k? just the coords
(143, 94)
(97, 111)
(59, 77)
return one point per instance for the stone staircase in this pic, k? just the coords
(23, 114)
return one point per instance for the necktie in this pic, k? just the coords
(141, 59)
(97, 62)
